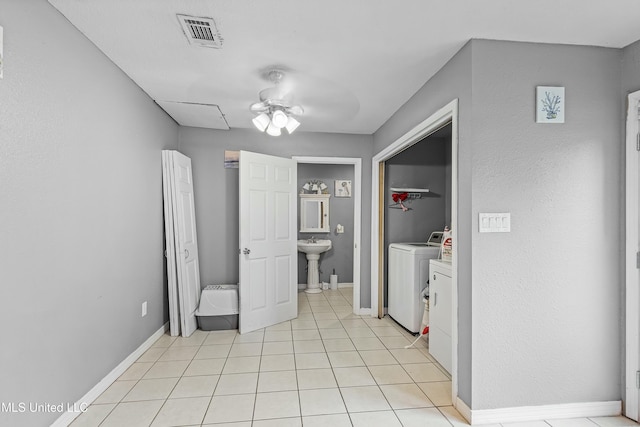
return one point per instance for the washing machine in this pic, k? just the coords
(408, 275)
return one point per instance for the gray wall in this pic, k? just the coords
(536, 288)
(453, 81)
(81, 208)
(216, 190)
(340, 257)
(630, 70)
(530, 293)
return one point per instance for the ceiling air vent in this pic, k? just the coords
(201, 31)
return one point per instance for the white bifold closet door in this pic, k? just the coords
(181, 243)
(170, 251)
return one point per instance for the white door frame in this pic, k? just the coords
(632, 246)
(448, 113)
(357, 209)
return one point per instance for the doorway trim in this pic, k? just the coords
(448, 113)
(357, 209)
(632, 246)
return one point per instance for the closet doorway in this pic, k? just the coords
(447, 114)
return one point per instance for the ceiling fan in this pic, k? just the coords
(276, 109)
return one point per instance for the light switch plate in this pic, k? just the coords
(494, 222)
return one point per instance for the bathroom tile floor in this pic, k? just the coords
(328, 367)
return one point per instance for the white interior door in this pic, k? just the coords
(268, 251)
(187, 243)
(170, 250)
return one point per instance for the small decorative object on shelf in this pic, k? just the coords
(398, 198)
(401, 195)
(315, 187)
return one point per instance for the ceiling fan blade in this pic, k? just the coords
(276, 92)
(296, 110)
(258, 107)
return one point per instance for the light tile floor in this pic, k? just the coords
(328, 367)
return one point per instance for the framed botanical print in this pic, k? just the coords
(550, 104)
(343, 188)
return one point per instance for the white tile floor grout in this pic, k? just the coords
(327, 367)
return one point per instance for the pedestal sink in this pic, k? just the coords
(313, 248)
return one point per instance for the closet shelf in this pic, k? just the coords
(412, 193)
(409, 190)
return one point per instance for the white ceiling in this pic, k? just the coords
(352, 63)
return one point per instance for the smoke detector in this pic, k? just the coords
(201, 31)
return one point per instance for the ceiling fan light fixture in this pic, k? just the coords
(275, 109)
(292, 125)
(279, 119)
(261, 122)
(273, 130)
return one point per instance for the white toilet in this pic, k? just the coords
(218, 309)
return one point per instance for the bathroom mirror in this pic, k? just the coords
(314, 213)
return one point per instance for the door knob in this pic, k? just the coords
(246, 251)
(434, 277)
(186, 253)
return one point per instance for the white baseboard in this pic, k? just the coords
(364, 312)
(463, 409)
(538, 413)
(66, 418)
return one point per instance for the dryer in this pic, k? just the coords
(408, 276)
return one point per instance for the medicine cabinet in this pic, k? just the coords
(314, 213)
